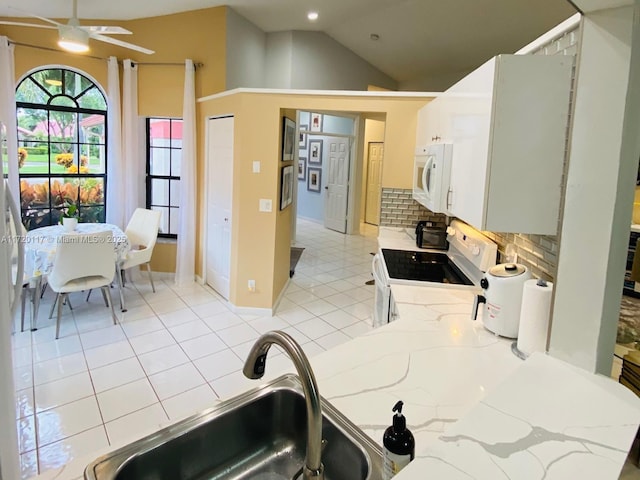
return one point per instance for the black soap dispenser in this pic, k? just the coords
(399, 444)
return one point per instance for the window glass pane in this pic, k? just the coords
(93, 99)
(159, 191)
(164, 219)
(93, 158)
(176, 160)
(159, 132)
(50, 80)
(159, 161)
(34, 201)
(64, 191)
(28, 91)
(32, 124)
(93, 214)
(176, 133)
(75, 83)
(62, 126)
(91, 128)
(63, 101)
(174, 193)
(63, 157)
(173, 220)
(91, 191)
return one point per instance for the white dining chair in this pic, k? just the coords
(142, 233)
(82, 262)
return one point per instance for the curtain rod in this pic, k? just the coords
(196, 65)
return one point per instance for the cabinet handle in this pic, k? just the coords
(449, 192)
(435, 139)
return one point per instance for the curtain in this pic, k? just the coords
(134, 195)
(8, 113)
(186, 253)
(115, 163)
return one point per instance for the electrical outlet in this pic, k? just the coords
(251, 285)
(256, 166)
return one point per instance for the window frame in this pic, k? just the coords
(149, 177)
(76, 143)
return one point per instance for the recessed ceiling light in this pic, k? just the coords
(313, 16)
(374, 36)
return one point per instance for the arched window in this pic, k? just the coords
(62, 153)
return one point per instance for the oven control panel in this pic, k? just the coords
(471, 247)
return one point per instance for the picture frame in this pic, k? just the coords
(302, 168)
(288, 139)
(286, 186)
(316, 122)
(302, 140)
(314, 179)
(315, 152)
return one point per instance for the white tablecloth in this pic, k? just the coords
(41, 243)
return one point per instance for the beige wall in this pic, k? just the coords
(261, 241)
(199, 35)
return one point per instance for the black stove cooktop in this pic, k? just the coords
(423, 267)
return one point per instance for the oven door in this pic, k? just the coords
(382, 295)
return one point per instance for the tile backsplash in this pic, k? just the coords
(399, 209)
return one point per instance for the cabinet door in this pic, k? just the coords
(429, 123)
(469, 112)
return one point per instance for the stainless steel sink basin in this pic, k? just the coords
(258, 435)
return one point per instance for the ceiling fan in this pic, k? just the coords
(74, 37)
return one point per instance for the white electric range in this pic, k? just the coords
(400, 261)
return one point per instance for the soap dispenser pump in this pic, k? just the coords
(399, 444)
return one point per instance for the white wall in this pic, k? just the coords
(600, 182)
(319, 62)
(246, 45)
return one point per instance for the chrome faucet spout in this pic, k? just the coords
(254, 368)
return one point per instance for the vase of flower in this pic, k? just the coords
(70, 223)
(70, 218)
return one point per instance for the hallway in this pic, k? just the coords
(174, 353)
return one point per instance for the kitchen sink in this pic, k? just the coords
(259, 435)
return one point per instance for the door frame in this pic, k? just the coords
(205, 211)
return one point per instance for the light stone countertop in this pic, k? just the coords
(475, 409)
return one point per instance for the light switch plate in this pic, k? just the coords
(265, 205)
(256, 166)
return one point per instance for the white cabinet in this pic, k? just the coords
(430, 126)
(507, 121)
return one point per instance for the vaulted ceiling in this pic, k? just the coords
(417, 39)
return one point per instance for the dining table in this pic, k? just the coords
(40, 250)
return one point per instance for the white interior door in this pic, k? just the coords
(374, 175)
(219, 194)
(337, 185)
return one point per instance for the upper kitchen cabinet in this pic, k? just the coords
(507, 121)
(430, 125)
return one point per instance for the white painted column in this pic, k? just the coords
(603, 161)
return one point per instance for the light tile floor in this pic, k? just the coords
(174, 352)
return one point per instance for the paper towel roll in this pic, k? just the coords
(534, 317)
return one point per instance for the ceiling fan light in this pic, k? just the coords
(73, 39)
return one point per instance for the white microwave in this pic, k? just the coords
(431, 176)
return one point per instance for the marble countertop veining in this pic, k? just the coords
(476, 411)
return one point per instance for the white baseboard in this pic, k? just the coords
(258, 312)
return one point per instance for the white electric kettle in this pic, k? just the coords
(502, 298)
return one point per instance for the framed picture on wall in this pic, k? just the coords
(288, 139)
(315, 152)
(302, 141)
(302, 168)
(286, 187)
(314, 179)
(316, 122)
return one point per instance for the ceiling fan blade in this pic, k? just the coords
(23, 24)
(106, 29)
(33, 15)
(120, 43)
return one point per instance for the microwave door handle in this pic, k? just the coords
(425, 173)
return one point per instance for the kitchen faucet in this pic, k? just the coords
(254, 368)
